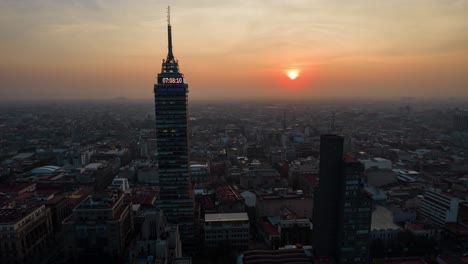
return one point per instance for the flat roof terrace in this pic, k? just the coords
(226, 217)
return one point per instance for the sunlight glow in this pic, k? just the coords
(292, 74)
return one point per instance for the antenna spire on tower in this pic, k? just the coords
(170, 56)
(169, 15)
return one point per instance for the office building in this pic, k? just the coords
(171, 107)
(439, 208)
(460, 121)
(355, 212)
(342, 210)
(101, 225)
(158, 240)
(26, 234)
(227, 230)
(295, 231)
(325, 210)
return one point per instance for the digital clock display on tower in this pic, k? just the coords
(172, 80)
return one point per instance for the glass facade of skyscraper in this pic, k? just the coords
(171, 106)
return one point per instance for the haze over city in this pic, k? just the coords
(235, 49)
(234, 132)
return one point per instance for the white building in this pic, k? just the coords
(439, 208)
(382, 225)
(121, 183)
(231, 229)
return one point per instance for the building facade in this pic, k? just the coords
(101, 225)
(439, 208)
(342, 210)
(227, 230)
(325, 210)
(171, 107)
(460, 121)
(355, 212)
(295, 231)
(26, 234)
(158, 240)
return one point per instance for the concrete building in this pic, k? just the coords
(290, 254)
(229, 200)
(295, 231)
(231, 229)
(274, 205)
(101, 225)
(147, 172)
(380, 177)
(262, 177)
(121, 184)
(421, 230)
(200, 173)
(382, 225)
(439, 208)
(26, 234)
(158, 240)
(100, 174)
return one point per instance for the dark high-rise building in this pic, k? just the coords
(460, 121)
(170, 98)
(342, 212)
(354, 217)
(325, 213)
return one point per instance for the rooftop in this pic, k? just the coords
(100, 201)
(404, 260)
(294, 255)
(382, 218)
(453, 259)
(11, 216)
(45, 170)
(226, 217)
(22, 156)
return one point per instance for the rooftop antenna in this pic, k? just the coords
(333, 123)
(170, 56)
(169, 15)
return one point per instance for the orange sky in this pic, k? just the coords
(234, 49)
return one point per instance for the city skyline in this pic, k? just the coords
(241, 50)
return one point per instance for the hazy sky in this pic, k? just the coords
(234, 49)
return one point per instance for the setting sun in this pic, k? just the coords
(292, 74)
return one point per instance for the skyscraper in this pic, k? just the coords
(171, 99)
(325, 213)
(342, 212)
(354, 215)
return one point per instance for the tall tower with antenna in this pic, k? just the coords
(171, 108)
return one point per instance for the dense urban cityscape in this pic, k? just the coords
(181, 181)
(254, 170)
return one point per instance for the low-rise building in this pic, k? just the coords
(200, 173)
(290, 254)
(101, 224)
(295, 231)
(382, 226)
(26, 234)
(232, 229)
(158, 240)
